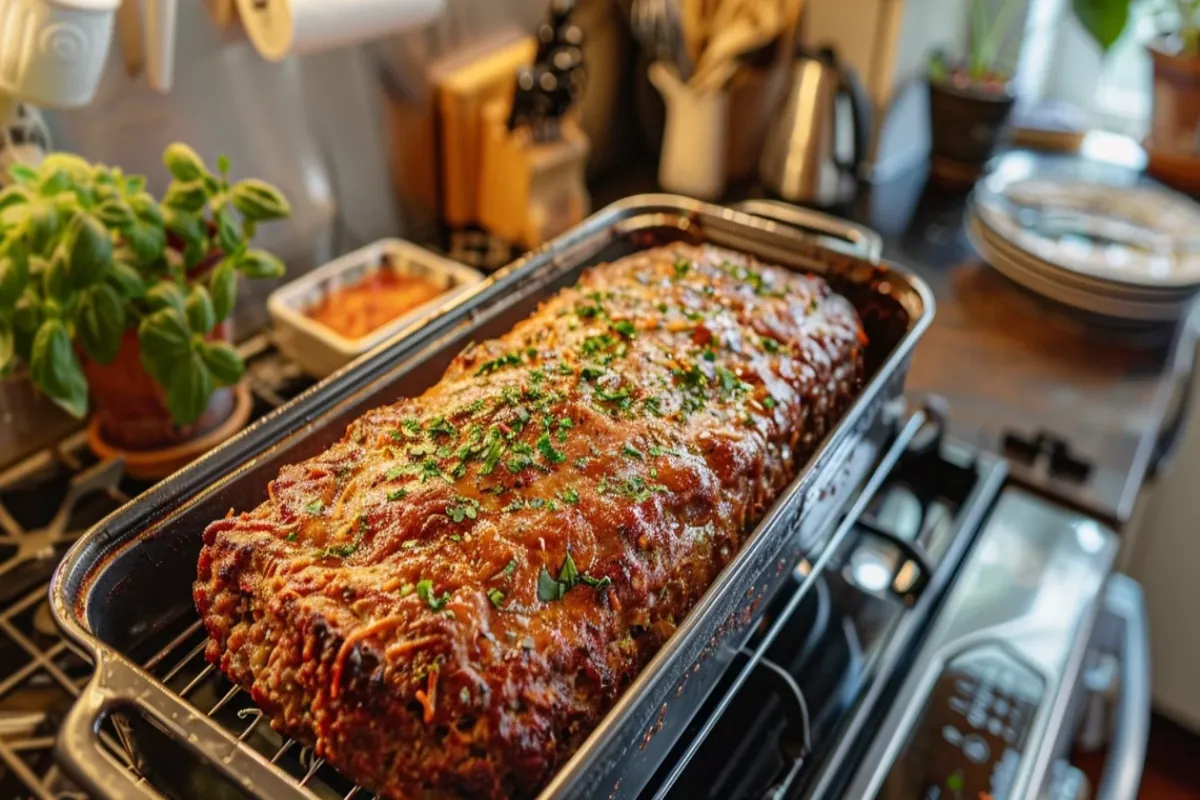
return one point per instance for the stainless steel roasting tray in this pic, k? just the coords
(155, 720)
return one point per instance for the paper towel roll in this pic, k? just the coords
(279, 27)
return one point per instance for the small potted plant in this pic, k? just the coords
(970, 102)
(109, 293)
(1174, 141)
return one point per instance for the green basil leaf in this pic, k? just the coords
(89, 251)
(100, 322)
(14, 275)
(189, 386)
(23, 175)
(228, 234)
(8, 346)
(166, 295)
(186, 196)
(223, 288)
(105, 192)
(115, 213)
(222, 361)
(259, 201)
(28, 314)
(163, 339)
(13, 195)
(199, 309)
(75, 166)
(146, 239)
(56, 283)
(183, 162)
(126, 280)
(260, 264)
(41, 226)
(223, 164)
(145, 207)
(55, 369)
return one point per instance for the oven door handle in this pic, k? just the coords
(1127, 751)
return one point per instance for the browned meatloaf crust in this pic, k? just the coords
(446, 601)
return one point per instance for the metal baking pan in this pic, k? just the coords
(123, 592)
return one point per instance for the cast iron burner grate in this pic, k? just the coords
(46, 502)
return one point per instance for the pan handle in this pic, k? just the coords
(850, 238)
(118, 685)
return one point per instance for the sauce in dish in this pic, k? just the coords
(355, 311)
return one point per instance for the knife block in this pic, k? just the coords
(529, 192)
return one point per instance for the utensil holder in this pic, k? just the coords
(695, 136)
(52, 52)
(529, 191)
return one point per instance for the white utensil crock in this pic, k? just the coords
(694, 136)
(52, 52)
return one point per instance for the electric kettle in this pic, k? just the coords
(800, 161)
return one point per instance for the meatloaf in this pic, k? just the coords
(447, 600)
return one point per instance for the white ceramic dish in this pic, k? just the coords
(1024, 274)
(321, 351)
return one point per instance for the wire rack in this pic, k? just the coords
(47, 501)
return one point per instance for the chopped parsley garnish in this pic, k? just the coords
(454, 537)
(729, 382)
(337, 551)
(657, 451)
(569, 495)
(510, 567)
(291, 537)
(425, 592)
(565, 369)
(516, 505)
(315, 507)
(590, 372)
(768, 402)
(620, 396)
(589, 310)
(463, 508)
(770, 345)
(550, 589)
(632, 451)
(522, 457)
(507, 360)
(547, 450)
(411, 428)
(442, 427)
(493, 447)
(709, 354)
(497, 597)
(654, 406)
(681, 268)
(625, 328)
(581, 462)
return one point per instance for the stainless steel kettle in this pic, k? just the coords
(800, 160)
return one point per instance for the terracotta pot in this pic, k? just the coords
(130, 405)
(1175, 109)
(965, 124)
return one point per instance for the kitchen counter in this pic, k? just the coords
(1085, 412)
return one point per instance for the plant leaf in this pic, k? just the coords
(41, 226)
(1105, 20)
(126, 280)
(135, 184)
(164, 340)
(228, 235)
(259, 201)
(115, 213)
(146, 239)
(146, 208)
(55, 369)
(199, 309)
(8, 345)
(222, 361)
(260, 264)
(23, 175)
(185, 225)
(189, 386)
(14, 275)
(183, 162)
(166, 295)
(186, 196)
(13, 195)
(223, 288)
(100, 322)
(54, 181)
(89, 251)
(55, 281)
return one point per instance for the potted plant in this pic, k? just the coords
(1173, 144)
(109, 293)
(970, 101)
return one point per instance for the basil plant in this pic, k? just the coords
(86, 253)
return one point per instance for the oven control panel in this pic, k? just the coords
(972, 731)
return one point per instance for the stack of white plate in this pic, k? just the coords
(1129, 252)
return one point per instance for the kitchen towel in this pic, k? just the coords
(278, 28)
